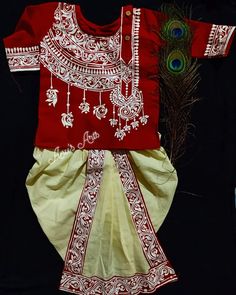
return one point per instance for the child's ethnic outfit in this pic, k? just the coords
(101, 185)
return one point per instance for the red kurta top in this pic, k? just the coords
(96, 82)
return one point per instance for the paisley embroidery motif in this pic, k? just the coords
(51, 96)
(67, 119)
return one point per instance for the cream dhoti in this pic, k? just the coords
(101, 209)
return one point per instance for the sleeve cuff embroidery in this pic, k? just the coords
(23, 58)
(218, 41)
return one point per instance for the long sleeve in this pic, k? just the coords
(210, 40)
(22, 47)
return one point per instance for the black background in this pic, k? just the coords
(198, 234)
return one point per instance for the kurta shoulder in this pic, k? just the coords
(42, 6)
(40, 17)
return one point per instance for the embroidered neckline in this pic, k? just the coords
(96, 30)
(93, 29)
(79, 54)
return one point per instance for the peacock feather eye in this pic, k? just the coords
(176, 29)
(176, 62)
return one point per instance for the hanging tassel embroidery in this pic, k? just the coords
(67, 118)
(127, 99)
(128, 109)
(100, 111)
(51, 94)
(113, 121)
(144, 118)
(84, 106)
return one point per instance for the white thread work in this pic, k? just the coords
(94, 63)
(218, 40)
(23, 58)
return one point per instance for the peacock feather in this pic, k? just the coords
(176, 62)
(178, 79)
(175, 29)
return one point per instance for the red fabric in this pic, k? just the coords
(51, 133)
(201, 33)
(32, 26)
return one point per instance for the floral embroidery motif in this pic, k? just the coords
(100, 111)
(76, 250)
(84, 107)
(218, 40)
(23, 58)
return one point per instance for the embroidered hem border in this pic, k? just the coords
(76, 251)
(156, 277)
(141, 220)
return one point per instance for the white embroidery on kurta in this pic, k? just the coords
(218, 40)
(67, 118)
(94, 63)
(74, 71)
(84, 105)
(75, 256)
(100, 110)
(85, 61)
(135, 44)
(129, 106)
(86, 48)
(23, 58)
(160, 271)
(51, 95)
